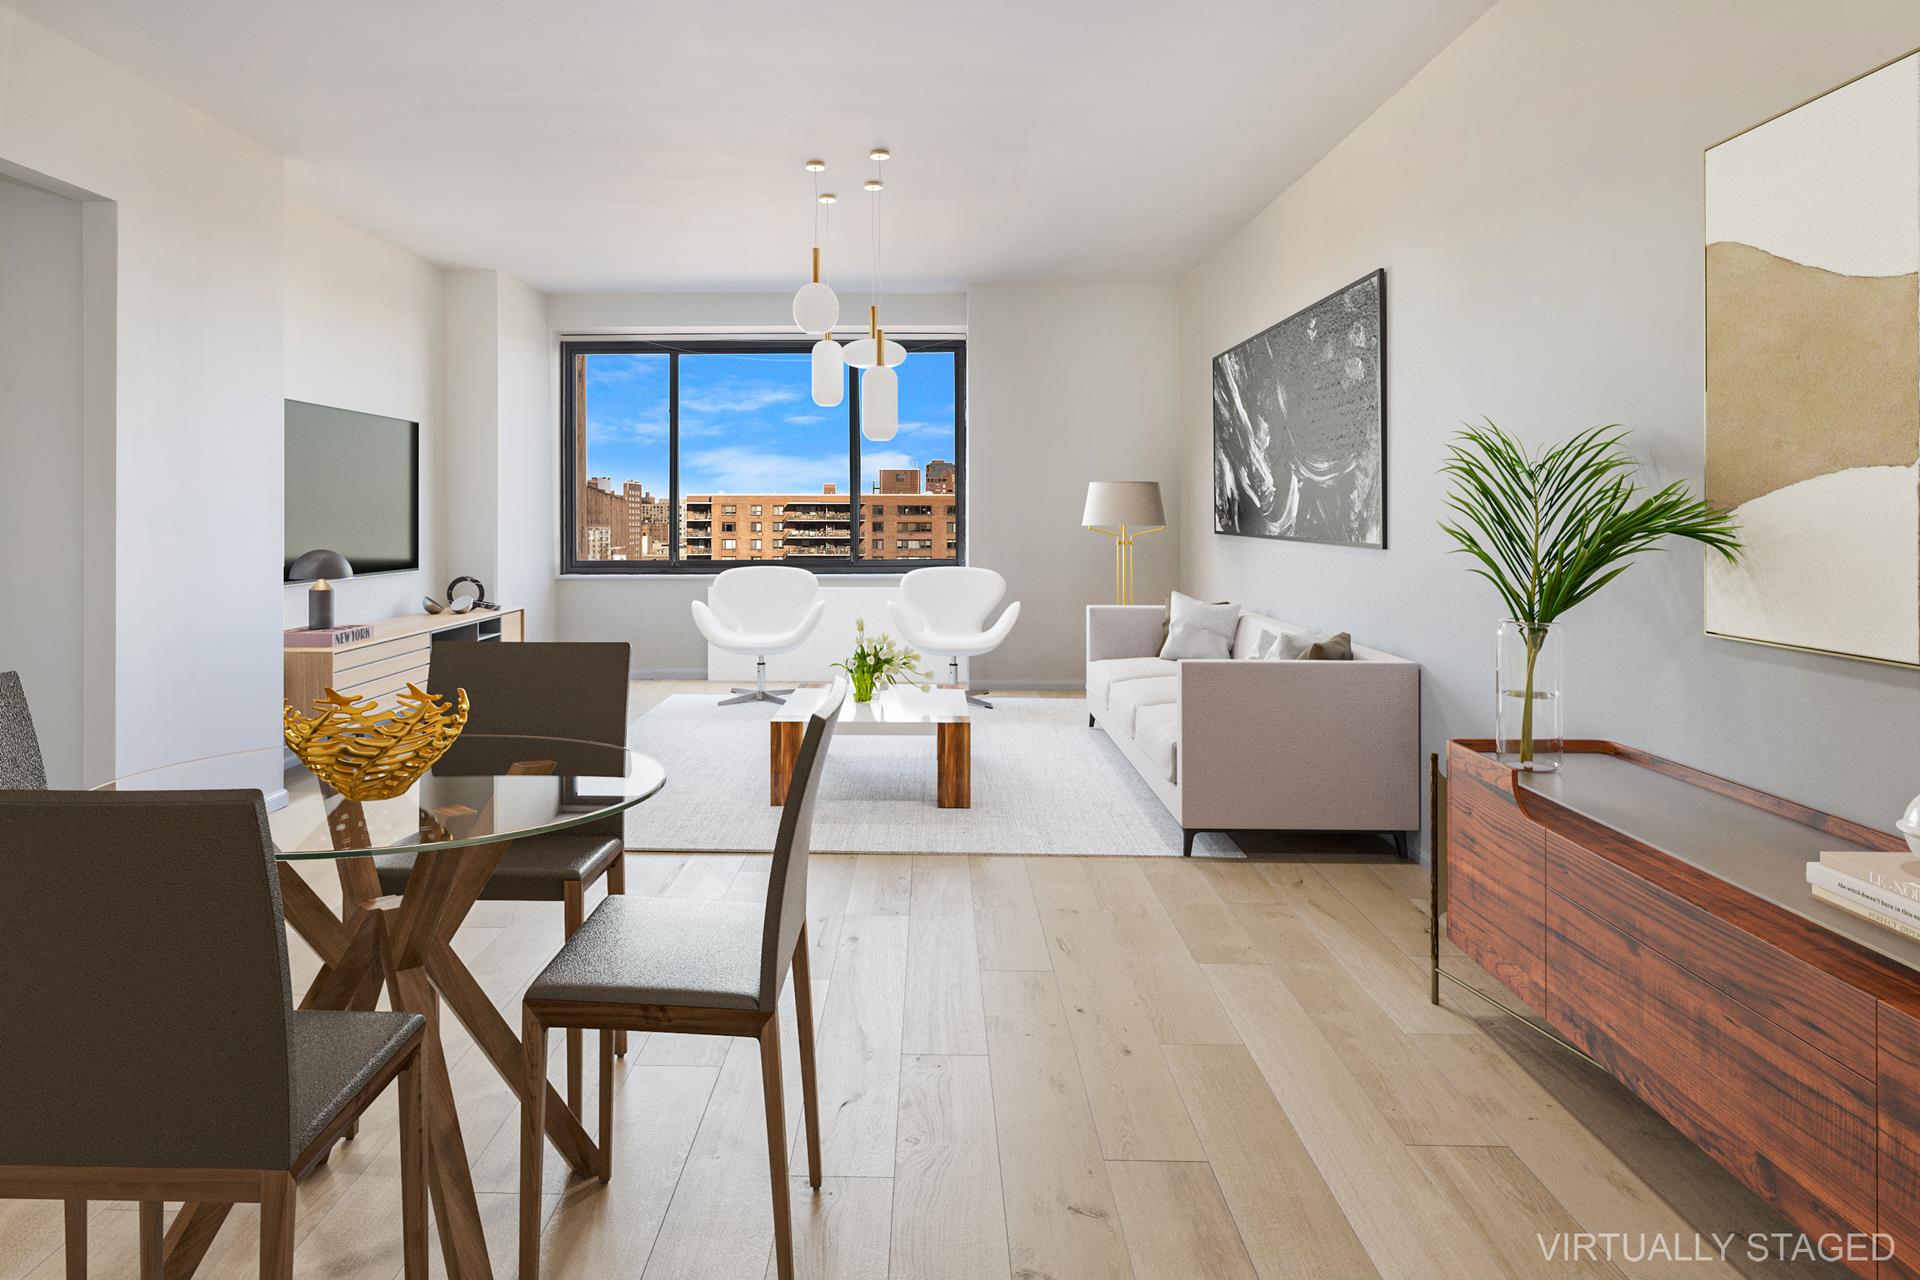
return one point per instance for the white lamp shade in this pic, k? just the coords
(1133, 503)
(879, 403)
(829, 374)
(816, 308)
(860, 353)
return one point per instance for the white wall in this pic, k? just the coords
(502, 473)
(42, 462)
(192, 466)
(1068, 383)
(366, 330)
(472, 457)
(1535, 197)
(529, 535)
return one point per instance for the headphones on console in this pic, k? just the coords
(460, 604)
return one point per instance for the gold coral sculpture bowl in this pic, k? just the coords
(369, 753)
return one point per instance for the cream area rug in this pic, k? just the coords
(1043, 783)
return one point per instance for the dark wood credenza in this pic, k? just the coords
(1659, 918)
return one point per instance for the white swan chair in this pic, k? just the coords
(760, 610)
(943, 610)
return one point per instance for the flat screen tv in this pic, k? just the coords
(353, 486)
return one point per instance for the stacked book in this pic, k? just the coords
(1882, 886)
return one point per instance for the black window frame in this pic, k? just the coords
(854, 562)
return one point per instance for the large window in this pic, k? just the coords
(690, 456)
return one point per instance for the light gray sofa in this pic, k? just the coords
(1247, 744)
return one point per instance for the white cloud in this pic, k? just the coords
(736, 469)
(929, 430)
(617, 428)
(607, 369)
(738, 398)
(885, 460)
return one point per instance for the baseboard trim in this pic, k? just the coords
(667, 673)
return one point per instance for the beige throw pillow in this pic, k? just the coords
(1337, 646)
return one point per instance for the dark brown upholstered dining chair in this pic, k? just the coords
(550, 689)
(689, 965)
(21, 764)
(153, 919)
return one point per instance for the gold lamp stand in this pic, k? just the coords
(1125, 511)
(1123, 539)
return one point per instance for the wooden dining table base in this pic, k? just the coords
(405, 945)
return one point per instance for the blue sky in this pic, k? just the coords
(748, 423)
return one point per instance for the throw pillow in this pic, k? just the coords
(1337, 646)
(1191, 640)
(1166, 620)
(1196, 629)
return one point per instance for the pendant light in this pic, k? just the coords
(828, 364)
(879, 403)
(879, 385)
(816, 308)
(829, 373)
(875, 350)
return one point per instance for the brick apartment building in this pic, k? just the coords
(899, 520)
(902, 519)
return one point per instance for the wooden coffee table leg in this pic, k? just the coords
(783, 752)
(953, 748)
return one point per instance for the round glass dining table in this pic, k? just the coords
(457, 821)
(489, 788)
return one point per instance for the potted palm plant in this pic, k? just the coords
(1549, 529)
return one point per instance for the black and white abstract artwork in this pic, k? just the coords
(1300, 424)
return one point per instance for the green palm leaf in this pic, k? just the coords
(1551, 528)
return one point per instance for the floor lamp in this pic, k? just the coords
(1124, 510)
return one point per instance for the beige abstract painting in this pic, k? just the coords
(1813, 371)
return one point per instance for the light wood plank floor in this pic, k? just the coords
(1051, 1067)
(1048, 1067)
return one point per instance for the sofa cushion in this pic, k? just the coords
(1126, 698)
(1102, 673)
(1251, 636)
(1337, 646)
(1156, 732)
(1198, 629)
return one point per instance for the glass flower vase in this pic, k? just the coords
(863, 687)
(1527, 690)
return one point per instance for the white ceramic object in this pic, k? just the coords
(879, 403)
(1909, 825)
(829, 373)
(816, 308)
(860, 353)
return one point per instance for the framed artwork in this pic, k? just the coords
(1300, 424)
(1812, 236)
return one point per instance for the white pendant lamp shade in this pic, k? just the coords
(879, 403)
(816, 308)
(860, 353)
(829, 374)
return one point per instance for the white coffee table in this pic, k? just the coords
(940, 713)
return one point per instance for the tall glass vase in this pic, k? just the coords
(1527, 672)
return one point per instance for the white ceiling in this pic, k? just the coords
(638, 145)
